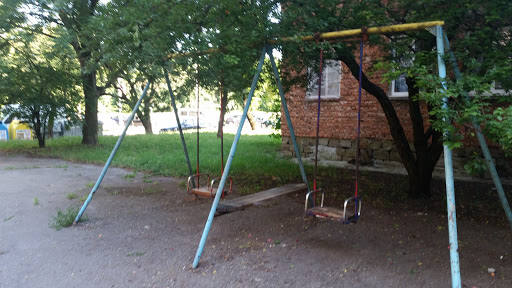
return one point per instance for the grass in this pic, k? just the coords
(130, 176)
(25, 167)
(36, 201)
(162, 155)
(65, 218)
(71, 196)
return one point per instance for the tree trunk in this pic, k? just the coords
(146, 122)
(90, 125)
(36, 121)
(223, 106)
(51, 120)
(252, 122)
(82, 13)
(144, 111)
(420, 166)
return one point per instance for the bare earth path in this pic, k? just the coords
(144, 232)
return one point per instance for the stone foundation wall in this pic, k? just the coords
(373, 150)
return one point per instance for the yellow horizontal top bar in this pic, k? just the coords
(371, 30)
(340, 34)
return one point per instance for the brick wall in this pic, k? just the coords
(338, 123)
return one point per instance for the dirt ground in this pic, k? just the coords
(144, 232)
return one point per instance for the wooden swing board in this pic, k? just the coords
(249, 200)
(326, 212)
(203, 192)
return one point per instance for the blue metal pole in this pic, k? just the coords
(111, 157)
(183, 143)
(228, 163)
(481, 140)
(287, 115)
(448, 168)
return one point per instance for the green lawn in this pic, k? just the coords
(257, 158)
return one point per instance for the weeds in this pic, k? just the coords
(21, 168)
(71, 196)
(8, 218)
(36, 201)
(65, 166)
(130, 176)
(65, 219)
(90, 184)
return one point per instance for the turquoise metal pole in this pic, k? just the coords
(183, 143)
(448, 169)
(228, 163)
(111, 157)
(287, 115)
(483, 143)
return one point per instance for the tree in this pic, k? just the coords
(476, 29)
(40, 84)
(77, 20)
(237, 31)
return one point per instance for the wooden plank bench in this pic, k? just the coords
(249, 200)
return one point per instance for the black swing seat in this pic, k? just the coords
(334, 213)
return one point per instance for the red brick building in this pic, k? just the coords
(338, 121)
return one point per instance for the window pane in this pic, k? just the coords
(331, 77)
(400, 84)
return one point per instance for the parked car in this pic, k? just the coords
(185, 125)
(233, 119)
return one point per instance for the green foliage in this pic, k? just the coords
(36, 201)
(40, 78)
(476, 166)
(71, 196)
(65, 218)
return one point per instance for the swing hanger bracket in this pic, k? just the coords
(364, 34)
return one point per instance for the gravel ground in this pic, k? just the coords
(144, 232)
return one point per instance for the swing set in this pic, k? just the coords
(435, 27)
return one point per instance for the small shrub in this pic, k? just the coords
(130, 176)
(65, 219)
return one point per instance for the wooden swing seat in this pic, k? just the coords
(326, 212)
(205, 192)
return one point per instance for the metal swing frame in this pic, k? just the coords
(436, 29)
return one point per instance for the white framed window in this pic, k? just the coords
(331, 81)
(399, 87)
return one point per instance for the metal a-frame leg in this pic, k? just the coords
(111, 157)
(448, 168)
(287, 115)
(183, 143)
(228, 162)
